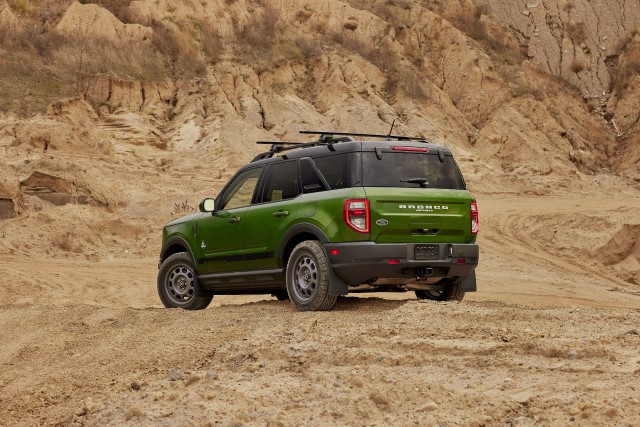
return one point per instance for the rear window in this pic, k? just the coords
(425, 170)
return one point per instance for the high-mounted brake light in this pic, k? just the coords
(410, 149)
(474, 218)
(357, 214)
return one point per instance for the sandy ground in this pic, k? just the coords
(551, 338)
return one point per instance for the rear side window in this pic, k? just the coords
(312, 182)
(425, 170)
(281, 182)
(335, 170)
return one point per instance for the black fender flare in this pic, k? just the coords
(176, 240)
(295, 230)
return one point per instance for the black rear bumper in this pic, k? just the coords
(357, 262)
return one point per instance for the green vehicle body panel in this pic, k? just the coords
(418, 215)
(222, 234)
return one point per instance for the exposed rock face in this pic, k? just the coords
(53, 189)
(8, 208)
(69, 127)
(570, 39)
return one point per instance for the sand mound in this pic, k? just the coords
(72, 110)
(623, 245)
(93, 20)
(8, 20)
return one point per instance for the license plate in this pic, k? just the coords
(427, 252)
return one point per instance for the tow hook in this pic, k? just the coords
(424, 273)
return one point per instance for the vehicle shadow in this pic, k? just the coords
(369, 304)
(344, 303)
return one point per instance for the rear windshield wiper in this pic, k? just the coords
(422, 181)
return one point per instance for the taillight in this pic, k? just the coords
(357, 214)
(474, 218)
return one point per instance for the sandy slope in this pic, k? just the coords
(551, 337)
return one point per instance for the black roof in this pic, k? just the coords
(341, 142)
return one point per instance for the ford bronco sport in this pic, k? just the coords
(327, 218)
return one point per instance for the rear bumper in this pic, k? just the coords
(358, 262)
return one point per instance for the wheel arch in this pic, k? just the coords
(295, 235)
(176, 245)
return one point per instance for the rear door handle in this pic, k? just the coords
(280, 214)
(233, 219)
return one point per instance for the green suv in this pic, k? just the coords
(327, 218)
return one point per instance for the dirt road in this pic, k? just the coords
(551, 338)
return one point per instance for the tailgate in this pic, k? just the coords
(420, 215)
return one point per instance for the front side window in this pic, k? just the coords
(240, 192)
(281, 182)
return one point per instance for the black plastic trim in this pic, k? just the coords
(235, 258)
(292, 232)
(358, 262)
(249, 282)
(175, 240)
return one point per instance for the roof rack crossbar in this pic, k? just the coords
(373, 135)
(280, 142)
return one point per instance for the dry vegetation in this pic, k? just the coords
(627, 65)
(52, 66)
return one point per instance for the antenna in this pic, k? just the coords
(388, 138)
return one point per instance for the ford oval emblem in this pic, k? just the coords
(382, 222)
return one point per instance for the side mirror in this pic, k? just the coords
(208, 205)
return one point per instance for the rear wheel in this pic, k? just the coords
(451, 292)
(178, 285)
(308, 278)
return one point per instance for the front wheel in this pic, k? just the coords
(451, 292)
(308, 278)
(178, 285)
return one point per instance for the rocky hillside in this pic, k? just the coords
(118, 111)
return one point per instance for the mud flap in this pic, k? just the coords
(337, 285)
(469, 283)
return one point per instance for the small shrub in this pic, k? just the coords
(577, 32)
(524, 90)
(576, 67)
(303, 16)
(21, 6)
(469, 21)
(350, 25)
(627, 63)
(183, 58)
(183, 208)
(65, 242)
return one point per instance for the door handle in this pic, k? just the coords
(233, 219)
(280, 214)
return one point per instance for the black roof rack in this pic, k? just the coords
(326, 138)
(388, 137)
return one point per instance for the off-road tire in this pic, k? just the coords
(178, 285)
(451, 292)
(308, 278)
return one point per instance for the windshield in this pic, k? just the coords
(411, 170)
